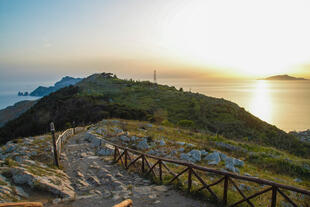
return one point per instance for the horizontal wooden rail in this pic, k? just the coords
(192, 170)
(125, 203)
(22, 204)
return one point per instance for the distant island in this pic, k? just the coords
(282, 77)
(44, 91)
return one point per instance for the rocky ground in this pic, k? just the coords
(26, 167)
(97, 182)
(88, 177)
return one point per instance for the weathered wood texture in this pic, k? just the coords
(22, 204)
(125, 203)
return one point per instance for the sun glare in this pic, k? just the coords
(242, 40)
(261, 104)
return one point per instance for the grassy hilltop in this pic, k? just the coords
(105, 96)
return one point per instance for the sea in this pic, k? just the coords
(9, 91)
(285, 104)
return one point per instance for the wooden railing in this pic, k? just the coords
(22, 204)
(125, 203)
(58, 143)
(129, 157)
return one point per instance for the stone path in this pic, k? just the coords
(97, 182)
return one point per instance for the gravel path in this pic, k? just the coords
(97, 182)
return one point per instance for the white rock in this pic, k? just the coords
(195, 155)
(203, 152)
(181, 149)
(186, 157)
(142, 145)
(105, 152)
(213, 158)
(93, 139)
(19, 191)
(124, 138)
(181, 143)
(162, 142)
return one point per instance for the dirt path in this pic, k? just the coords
(99, 183)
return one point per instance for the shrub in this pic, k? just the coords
(186, 123)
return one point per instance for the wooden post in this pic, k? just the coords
(115, 153)
(126, 157)
(54, 144)
(142, 166)
(189, 179)
(225, 189)
(274, 196)
(160, 171)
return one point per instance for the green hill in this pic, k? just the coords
(105, 96)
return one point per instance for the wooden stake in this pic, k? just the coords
(54, 144)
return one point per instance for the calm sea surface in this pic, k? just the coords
(9, 90)
(285, 104)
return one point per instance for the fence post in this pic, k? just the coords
(274, 196)
(189, 181)
(142, 166)
(225, 189)
(160, 171)
(126, 157)
(115, 153)
(54, 144)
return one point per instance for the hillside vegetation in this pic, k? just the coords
(105, 96)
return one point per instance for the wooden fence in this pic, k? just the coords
(58, 143)
(129, 157)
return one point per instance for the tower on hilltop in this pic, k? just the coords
(155, 76)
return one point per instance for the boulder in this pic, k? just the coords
(203, 152)
(134, 138)
(20, 192)
(93, 139)
(195, 155)
(230, 167)
(186, 157)
(223, 156)
(58, 185)
(181, 143)
(142, 145)
(105, 152)
(181, 149)
(213, 158)
(297, 180)
(162, 142)
(124, 138)
(238, 163)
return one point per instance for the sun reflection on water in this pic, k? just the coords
(261, 104)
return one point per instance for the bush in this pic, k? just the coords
(186, 123)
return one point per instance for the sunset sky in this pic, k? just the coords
(195, 39)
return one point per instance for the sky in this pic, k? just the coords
(190, 39)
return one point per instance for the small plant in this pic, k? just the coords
(9, 162)
(130, 187)
(186, 123)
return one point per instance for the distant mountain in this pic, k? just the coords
(12, 112)
(65, 81)
(282, 77)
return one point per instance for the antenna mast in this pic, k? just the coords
(155, 76)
